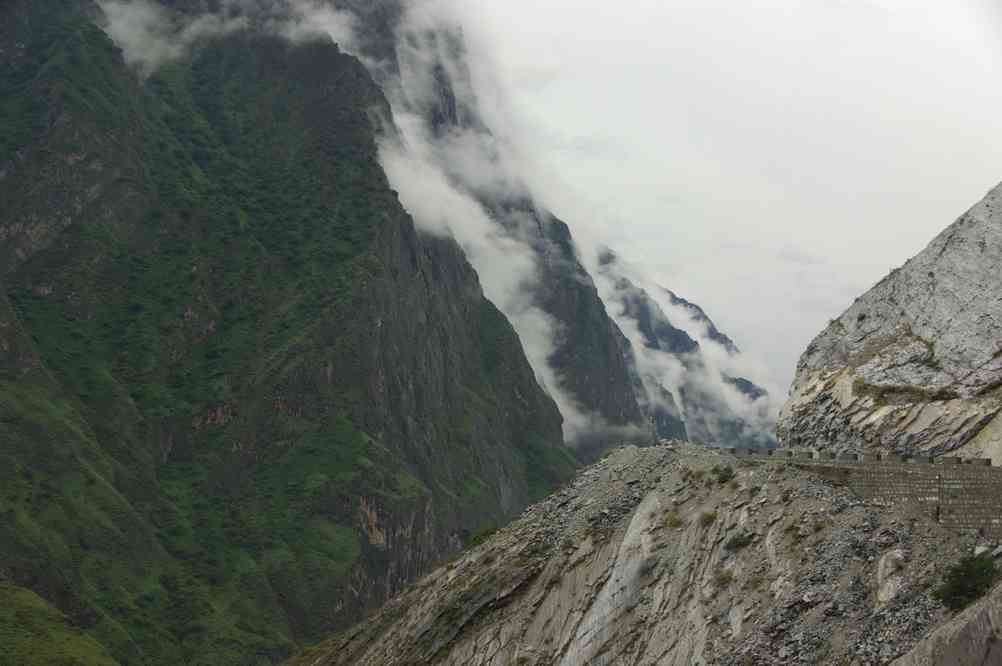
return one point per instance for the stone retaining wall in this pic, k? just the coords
(962, 494)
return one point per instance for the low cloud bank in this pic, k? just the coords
(459, 179)
(701, 382)
(452, 151)
(151, 35)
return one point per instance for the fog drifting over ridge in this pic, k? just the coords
(472, 179)
(444, 178)
(769, 160)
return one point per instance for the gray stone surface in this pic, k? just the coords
(973, 637)
(915, 364)
(649, 559)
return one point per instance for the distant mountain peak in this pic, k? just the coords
(700, 316)
(712, 406)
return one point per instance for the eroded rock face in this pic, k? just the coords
(660, 556)
(970, 638)
(916, 363)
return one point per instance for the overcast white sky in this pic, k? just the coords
(767, 160)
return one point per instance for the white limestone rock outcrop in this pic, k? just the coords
(915, 365)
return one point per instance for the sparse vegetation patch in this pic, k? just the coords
(723, 473)
(967, 581)
(739, 541)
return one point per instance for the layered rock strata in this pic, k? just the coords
(678, 557)
(915, 365)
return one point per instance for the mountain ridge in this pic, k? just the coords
(234, 363)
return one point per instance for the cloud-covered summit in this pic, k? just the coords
(458, 161)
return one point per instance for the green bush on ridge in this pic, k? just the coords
(967, 581)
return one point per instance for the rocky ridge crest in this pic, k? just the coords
(678, 556)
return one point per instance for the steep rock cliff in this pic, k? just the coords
(682, 390)
(915, 364)
(588, 361)
(426, 63)
(970, 638)
(242, 400)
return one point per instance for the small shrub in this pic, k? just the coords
(673, 520)
(482, 536)
(724, 473)
(739, 541)
(967, 581)
(707, 518)
(723, 578)
(754, 490)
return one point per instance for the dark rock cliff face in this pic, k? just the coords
(700, 315)
(684, 393)
(658, 332)
(594, 370)
(591, 358)
(242, 400)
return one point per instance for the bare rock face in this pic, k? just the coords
(970, 638)
(916, 363)
(674, 556)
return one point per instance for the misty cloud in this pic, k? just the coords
(442, 174)
(698, 381)
(852, 132)
(505, 263)
(150, 36)
(446, 171)
(308, 19)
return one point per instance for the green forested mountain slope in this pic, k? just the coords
(242, 401)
